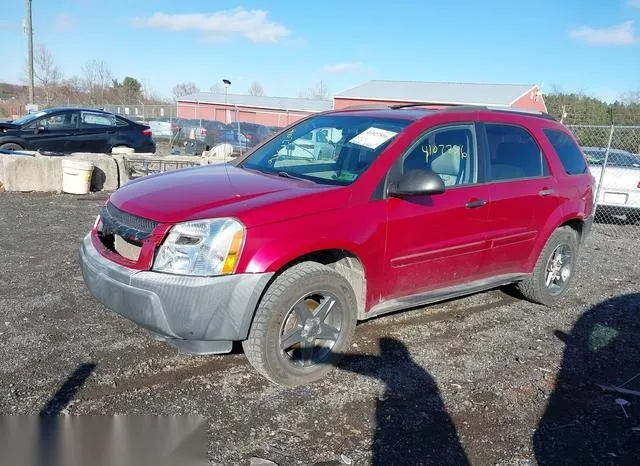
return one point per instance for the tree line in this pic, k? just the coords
(590, 119)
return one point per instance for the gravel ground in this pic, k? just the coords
(487, 379)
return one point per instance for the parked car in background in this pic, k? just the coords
(255, 133)
(619, 194)
(318, 144)
(237, 139)
(161, 129)
(67, 130)
(286, 255)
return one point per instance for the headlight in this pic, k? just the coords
(202, 247)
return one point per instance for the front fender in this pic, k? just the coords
(14, 140)
(359, 231)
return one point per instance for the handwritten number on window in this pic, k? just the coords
(442, 149)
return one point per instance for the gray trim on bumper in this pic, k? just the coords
(172, 306)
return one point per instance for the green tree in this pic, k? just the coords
(129, 91)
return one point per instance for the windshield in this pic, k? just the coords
(327, 149)
(29, 117)
(615, 159)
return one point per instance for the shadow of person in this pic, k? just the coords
(412, 423)
(582, 423)
(49, 433)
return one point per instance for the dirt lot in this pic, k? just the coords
(488, 379)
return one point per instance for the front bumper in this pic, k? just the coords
(198, 314)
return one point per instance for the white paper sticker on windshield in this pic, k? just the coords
(373, 137)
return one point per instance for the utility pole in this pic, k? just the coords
(30, 57)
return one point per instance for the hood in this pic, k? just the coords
(6, 125)
(221, 190)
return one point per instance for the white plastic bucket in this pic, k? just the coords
(76, 176)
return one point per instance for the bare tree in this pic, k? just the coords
(183, 89)
(96, 80)
(69, 91)
(631, 97)
(320, 91)
(256, 89)
(45, 70)
(216, 89)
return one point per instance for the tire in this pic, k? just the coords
(279, 321)
(11, 146)
(534, 288)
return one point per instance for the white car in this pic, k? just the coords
(619, 194)
(318, 144)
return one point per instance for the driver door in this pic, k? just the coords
(54, 132)
(440, 240)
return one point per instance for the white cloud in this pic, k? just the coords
(633, 3)
(64, 22)
(342, 67)
(622, 34)
(253, 25)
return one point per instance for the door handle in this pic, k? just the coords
(476, 203)
(546, 191)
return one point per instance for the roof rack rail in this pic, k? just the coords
(522, 111)
(366, 107)
(458, 107)
(422, 104)
(454, 107)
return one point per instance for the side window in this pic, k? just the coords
(97, 119)
(568, 151)
(514, 154)
(58, 121)
(449, 151)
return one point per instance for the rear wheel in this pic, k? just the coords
(11, 146)
(554, 269)
(304, 322)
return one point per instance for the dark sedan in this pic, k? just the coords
(69, 130)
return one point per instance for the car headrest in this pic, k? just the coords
(448, 163)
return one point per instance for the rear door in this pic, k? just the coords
(96, 131)
(54, 132)
(438, 240)
(523, 194)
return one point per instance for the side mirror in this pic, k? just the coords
(39, 129)
(417, 183)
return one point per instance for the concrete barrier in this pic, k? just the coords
(35, 172)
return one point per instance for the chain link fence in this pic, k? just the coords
(613, 154)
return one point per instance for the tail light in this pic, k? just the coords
(248, 136)
(203, 131)
(147, 132)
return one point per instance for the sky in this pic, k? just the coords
(590, 46)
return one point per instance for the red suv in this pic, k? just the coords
(287, 247)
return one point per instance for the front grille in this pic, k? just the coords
(130, 227)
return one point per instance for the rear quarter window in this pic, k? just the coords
(568, 151)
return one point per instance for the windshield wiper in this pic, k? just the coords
(289, 175)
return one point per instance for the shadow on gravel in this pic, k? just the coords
(49, 427)
(68, 390)
(584, 424)
(412, 423)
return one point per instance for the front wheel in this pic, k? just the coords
(304, 322)
(11, 146)
(554, 269)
